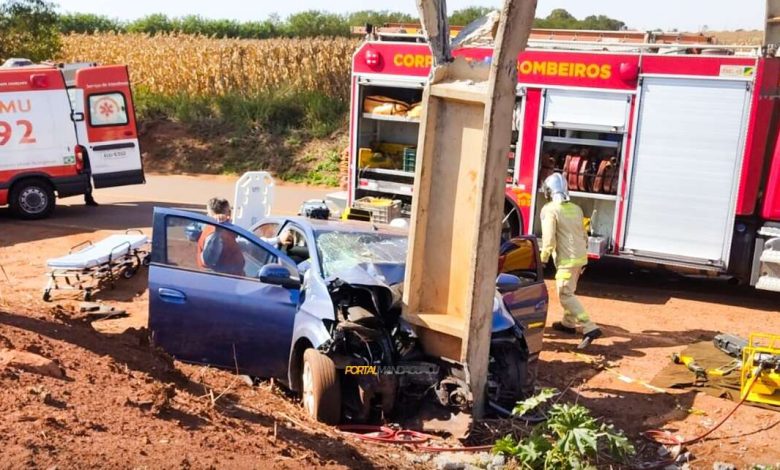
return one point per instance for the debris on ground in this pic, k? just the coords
(29, 362)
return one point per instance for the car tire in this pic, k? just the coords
(509, 368)
(320, 387)
(32, 199)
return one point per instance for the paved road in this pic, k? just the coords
(131, 206)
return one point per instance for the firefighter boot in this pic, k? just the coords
(589, 337)
(559, 326)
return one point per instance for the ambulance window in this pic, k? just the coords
(107, 109)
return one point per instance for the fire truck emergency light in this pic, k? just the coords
(373, 58)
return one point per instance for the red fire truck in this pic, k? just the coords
(59, 125)
(668, 142)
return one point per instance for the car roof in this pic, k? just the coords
(320, 225)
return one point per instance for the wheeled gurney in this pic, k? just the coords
(89, 266)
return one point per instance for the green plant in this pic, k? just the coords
(570, 438)
(28, 28)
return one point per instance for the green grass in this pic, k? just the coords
(250, 132)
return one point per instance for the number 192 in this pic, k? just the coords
(23, 125)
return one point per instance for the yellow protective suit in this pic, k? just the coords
(564, 238)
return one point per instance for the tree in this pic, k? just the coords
(152, 24)
(28, 28)
(465, 16)
(378, 18)
(562, 19)
(313, 23)
(88, 23)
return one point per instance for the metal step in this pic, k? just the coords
(770, 256)
(768, 283)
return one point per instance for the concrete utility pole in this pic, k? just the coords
(457, 211)
(772, 25)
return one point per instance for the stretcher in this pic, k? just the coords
(90, 266)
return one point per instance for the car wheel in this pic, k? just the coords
(507, 373)
(32, 199)
(321, 390)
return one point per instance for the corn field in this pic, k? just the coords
(172, 64)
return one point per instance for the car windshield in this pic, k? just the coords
(342, 250)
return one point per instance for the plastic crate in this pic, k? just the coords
(410, 158)
(382, 210)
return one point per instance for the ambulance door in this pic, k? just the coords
(108, 129)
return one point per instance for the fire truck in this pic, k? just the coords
(60, 127)
(667, 141)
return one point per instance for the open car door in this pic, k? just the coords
(229, 313)
(106, 126)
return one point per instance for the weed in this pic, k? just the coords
(570, 438)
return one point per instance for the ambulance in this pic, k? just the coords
(667, 141)
(62, 129)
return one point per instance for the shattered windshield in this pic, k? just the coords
(343, 250)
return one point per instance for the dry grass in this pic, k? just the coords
(740, 38)
(171, 64)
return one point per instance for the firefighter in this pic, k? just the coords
(564, 238)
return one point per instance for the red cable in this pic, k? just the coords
(388, 435)
(666, 438)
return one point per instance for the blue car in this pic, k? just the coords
(312, 313)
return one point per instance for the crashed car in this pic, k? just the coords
(323, 316)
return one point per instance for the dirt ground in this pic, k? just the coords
(122, 404)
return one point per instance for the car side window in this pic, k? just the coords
(518, 257)
(213, 248)
(267, 230)
(298, 250)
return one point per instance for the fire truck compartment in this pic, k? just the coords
(386, 140)
(686, 168)
(582, 136)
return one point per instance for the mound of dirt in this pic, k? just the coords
(117, 402)
(212, 148)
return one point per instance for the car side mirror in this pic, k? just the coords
(506, 283)
(279, 275)
(77, 117)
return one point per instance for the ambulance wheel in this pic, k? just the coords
(321, 389)
(32, 199)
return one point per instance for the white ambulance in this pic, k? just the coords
(60, 127)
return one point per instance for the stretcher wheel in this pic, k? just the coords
(47, 295)
(87, 296)
(128, 272)
(147, 260)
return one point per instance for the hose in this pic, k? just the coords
(388, 435)
(666, 438)
(418, 440)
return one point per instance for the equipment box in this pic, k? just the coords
(597, 246)
(382, 210)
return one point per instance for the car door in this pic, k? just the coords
(528, 304)
(214, 316)
(107, 129)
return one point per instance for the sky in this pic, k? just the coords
(685, 15)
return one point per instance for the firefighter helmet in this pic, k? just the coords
(555, 184)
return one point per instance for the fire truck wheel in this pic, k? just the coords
(321, 390)
(32, 199)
